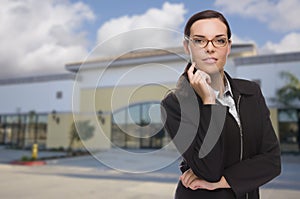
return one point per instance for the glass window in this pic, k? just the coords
(138, 126)
(154, 113)
(59, 95)
(22, 130)
(288, 130)
(134, 116)
(41, 130)
(119, 117)
(145, 117)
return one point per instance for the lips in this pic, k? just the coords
(210, 60)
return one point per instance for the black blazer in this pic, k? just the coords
(213, 145)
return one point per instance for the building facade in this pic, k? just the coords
(125, 92)
(33, 106)
(118, 99)
(267, 70)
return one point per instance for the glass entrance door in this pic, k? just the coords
(138, 126)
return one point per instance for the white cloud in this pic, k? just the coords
(154, 28)
(290, 43)
(280, 15)
(238, 40)
(39, 37)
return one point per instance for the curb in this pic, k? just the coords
(29, 163)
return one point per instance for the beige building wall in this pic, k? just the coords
(110, 99)
(274, 119)
(101, 135)
(58, 133)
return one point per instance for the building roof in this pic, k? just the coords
(148, 55)
(34, 79)
(263, 59)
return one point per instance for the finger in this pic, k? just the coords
(185, 177)
(190, 177)
(205, 77)
(182, 178)
(195, 185)
(190, 71)
(200, 78)
(191, 180)
(195, 78)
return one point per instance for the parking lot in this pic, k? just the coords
(91, 177)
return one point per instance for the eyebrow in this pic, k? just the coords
(205, 37)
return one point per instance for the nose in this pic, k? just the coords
(210, 47)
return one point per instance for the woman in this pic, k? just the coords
(220, 125)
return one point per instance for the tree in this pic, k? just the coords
(289, 96)
(82, 130)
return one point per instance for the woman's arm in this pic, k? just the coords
(190, 180)
(257, 170)
(188, 133)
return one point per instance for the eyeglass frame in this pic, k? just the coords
(187, 38)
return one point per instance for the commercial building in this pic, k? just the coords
(30, 107)
(117, 98)
(267, 70)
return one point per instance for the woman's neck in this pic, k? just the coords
(218, 81)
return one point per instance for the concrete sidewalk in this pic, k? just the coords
(8, 155)
(96, 177)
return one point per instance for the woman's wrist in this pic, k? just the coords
(209, 101)
(222, 183)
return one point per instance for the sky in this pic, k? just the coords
(40, 37)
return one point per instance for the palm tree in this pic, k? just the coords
(82, 130)
(289, 96)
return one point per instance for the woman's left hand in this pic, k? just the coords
(188, 177)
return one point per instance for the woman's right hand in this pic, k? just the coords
(190, 180)
(200, 81)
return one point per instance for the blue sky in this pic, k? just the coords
(247, 28)
(106, 10)
(40, 37)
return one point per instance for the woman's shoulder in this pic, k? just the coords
(169, 98)
(246, 83)
(246, 86)
(183, 90)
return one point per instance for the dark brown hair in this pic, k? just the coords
(207, 14)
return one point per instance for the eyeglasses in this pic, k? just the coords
(202, 42)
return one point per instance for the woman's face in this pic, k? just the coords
(210, 59)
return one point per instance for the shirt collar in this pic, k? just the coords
(227, 87)
(227, 90)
